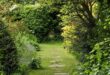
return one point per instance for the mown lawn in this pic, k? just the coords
(49, 52)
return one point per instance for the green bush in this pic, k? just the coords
(86, 34)
(42, 20)
(35, 64)
(27, 47)
(97, 62)
(8, 51)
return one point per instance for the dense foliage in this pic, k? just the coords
(97, 61)
(42, 20)
(17, 44)
(89, 34)
(8, 52)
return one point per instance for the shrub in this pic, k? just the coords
(35, 64)
(40, 19)
(27, 47)
(8, 51)
(97, 62)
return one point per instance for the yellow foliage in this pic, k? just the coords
(69, 35)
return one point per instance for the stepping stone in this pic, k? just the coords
(55, 61)
(61, 73)
(56, 65)
(56, 57)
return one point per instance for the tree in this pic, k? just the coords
(86, 14)
(88, 33)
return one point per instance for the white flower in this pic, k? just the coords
(13, 7)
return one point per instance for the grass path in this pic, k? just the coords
(55, 60)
